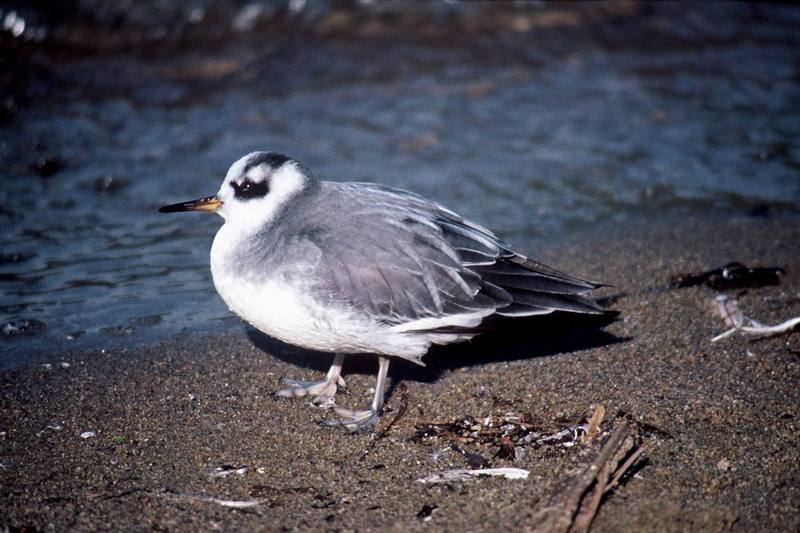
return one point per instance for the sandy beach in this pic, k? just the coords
(186, 435)
(624, 142)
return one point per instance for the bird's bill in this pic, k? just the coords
(212, 203)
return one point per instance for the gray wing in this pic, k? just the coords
(388, 257)
(402, 258)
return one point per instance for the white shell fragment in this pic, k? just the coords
(463, 475)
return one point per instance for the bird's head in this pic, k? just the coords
(255, 189)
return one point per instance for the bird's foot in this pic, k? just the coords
(323, 391)
(354, 421)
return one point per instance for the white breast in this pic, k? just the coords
(283, 306)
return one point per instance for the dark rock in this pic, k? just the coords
(18, 327)
(731, 276)
(49, 165)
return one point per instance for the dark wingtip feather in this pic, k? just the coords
(539, 268)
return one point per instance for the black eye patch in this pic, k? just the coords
(248, 189)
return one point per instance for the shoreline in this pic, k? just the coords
(158, 435)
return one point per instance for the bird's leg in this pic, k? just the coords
(323, 391)
(361, 420)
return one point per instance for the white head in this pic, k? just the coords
(254, 191)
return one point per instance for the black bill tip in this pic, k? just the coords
(212, 203)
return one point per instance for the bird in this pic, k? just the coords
(356, 268)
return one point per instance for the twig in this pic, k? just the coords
(594, 423)
(624, 468)
(573, 504)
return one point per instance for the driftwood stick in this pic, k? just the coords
(575, 498)
(594, 423)
(591, 502)
(624, 468)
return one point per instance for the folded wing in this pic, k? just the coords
(417, 266)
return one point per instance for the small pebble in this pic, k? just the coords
(88, 435)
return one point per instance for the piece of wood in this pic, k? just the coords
(575, 498)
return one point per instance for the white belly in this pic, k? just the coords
(282, 306)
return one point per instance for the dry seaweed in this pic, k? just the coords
(498, 430)
(505, 432)
(731, 276)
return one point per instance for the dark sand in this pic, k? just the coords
(166, 416)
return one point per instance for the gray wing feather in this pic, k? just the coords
(400, 258)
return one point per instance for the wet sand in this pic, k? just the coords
(177, 425)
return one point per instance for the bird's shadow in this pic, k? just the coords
(518, 339)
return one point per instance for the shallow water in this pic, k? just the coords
(538, 135)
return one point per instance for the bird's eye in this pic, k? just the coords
(248, 189)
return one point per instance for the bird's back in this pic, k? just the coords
(410, 265)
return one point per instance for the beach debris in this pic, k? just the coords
(507, 449)
(734, 318)
(503, 430)
(227, 470)
(88, 435)
(427, 510)
(464, 475)
(50, 427)
(510, 433)
(574, 499)
(437, 454)
(731, 276)
(594, 424)
(231, 504)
